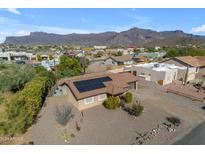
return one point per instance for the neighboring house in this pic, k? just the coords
(91, 90)
(121, 60)
(197, 63)
(140, 59)
(12, 55)
(112, 60)
(157, 72)
(188, 61)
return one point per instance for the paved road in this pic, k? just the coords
(195, 137)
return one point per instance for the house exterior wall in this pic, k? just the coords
(80, 104)
(170, 76)
(96, 102)
(67, 92)
(201, 73)
(192, 71)
(110, 61)
(128, 62)
(155, 76)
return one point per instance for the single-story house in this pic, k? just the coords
(122, 60)
(160, 73)
(90, 90)
(112, 60)
(188, 61)
(197, 63)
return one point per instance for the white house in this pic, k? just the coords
(157, 72)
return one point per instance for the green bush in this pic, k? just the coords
(137, 110)
(24, 106)
(112, 102)
(128, 97)
(174, 120)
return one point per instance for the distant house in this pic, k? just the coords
(140, 59)
(113, 60)
(13, 56)
(122, 60)
(91, 90)
(100, 47)
(150, 55)
(157, 48)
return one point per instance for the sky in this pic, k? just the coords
(19, 22)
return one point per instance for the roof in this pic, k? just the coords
(160, 67)
(117, 85)
(140, 59)
(197, 61)
(122, 58)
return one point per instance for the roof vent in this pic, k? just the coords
(156, 65)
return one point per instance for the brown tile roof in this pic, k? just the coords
(122, 58)
(197, 61)
(119, 84)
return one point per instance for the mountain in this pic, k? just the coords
(134, 36)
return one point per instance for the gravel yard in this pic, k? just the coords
(101, 126)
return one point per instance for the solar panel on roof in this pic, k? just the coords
(91, 84)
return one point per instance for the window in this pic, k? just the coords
(89, 100)
(101, 97)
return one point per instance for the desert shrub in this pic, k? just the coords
(13, 77)
(137, 109)
(63, 114)
(24, 106)
(174, 120)
(77, 126)
(128, 97)
(112, 102)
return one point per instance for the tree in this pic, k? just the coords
(39, 58)
(13, 76)
(51, 57)
(83, 63)
(68, 67)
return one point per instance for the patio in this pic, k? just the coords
(187, 90)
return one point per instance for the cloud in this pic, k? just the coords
(13, 10)
(22, 32)
(59, 30)
(199, 29)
